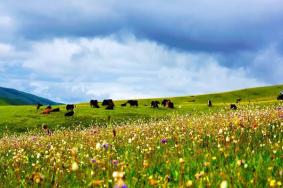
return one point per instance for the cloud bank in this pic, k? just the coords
(72, 51)
(120, 68)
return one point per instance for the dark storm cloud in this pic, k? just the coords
(213, 26)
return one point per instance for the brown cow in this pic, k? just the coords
(47, 111)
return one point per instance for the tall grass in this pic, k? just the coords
(240, 148)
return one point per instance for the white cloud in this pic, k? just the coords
(5, 49)
(75, 70)
(6, 21)
(268, 64)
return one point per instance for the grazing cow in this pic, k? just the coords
(238, 100)
(106, 102)
(170, 104)
(48, 107)
(94, 103)
(233, 107)
(165, 102)
(154, 104)
(55, 110)
(38, 106)
(46, 111)
(209, 103)
(133, 103)
(124, 104)
(110, 106)
(70, 107)
(280, 96)
(69, 113)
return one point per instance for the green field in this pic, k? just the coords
(16, 119)
(191, 145)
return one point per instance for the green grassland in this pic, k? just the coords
(191, 145)
(17, 119)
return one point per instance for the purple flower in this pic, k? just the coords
(123, 186)
(164, 140)
(93, 160)
(105, 146)
(115, 162)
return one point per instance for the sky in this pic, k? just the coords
(73, 51)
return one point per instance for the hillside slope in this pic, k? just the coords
(14, 97)
(265, 93)
(257, 94)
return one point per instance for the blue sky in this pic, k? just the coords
(71, 51)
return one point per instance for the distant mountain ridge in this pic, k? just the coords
(10, 96)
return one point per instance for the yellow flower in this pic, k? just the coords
(75, 166)
(181, 160)
(272, 183)
(206, 164)
(145, 164)
(224, 184)
(199, 175)
(189, 183)
(96, 183)
(37, 177)
(74, 151)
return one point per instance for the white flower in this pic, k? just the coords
(224, 184)
(98, 146)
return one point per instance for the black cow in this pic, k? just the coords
(170, 104)
(124, 104)
(280, 96)
(110, 106)
(70, 107)
(133, 103)
(94, 103)
(107, 102)
(55, 110)
(165, 102)
(238, 100)
(233, 107)
(69, 113)
(209, 103)
(154, 104)
(38, 106)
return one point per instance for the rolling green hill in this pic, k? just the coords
(14, 97)
(15, 119)
(266, 93)
(257, 94)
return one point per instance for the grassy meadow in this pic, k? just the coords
(189, 146)
(21, 119)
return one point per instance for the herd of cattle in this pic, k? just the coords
(109, 105)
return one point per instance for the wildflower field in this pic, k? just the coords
(212, 148)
